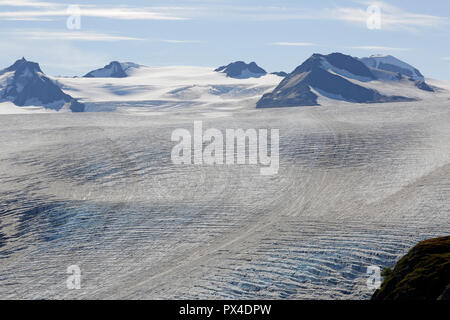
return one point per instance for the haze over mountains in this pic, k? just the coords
(332, 77)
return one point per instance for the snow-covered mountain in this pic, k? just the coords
(342, 77)
(128, 67)
(242, 70)
(327, 75)
(393, 65)
(387, 67)
(24, 84)
(114, 69)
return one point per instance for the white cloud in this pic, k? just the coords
(294, 44)
(25, 3)
(69, 35)
(49, 10)
(392, 17)
(82, 36)
(446, 58)
(229, 12)
(18, 18)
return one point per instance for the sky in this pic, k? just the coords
(73, 38)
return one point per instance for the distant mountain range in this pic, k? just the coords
(335, 76)
(24, 83)
(341, 77)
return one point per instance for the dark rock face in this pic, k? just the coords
(280, 73)
(295, 89)
(423, 86)
(29, 86)
(298, 95)
(242, 70)
(422, 274)
(394, 68)
(112, 70)
(445, 294)
(350, 64)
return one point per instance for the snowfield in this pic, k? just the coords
(166, 87)
(358, 185)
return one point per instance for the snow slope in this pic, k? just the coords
(167, 87)
(392, 64)
(7, 107)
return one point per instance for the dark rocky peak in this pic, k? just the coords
(242, 70)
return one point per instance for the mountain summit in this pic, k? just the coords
(340, 77)
(114, 69)
(22, 65)
(242, 70)
(24, 83)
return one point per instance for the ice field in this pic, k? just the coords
(358, 185)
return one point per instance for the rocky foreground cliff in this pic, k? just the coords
(422, 274)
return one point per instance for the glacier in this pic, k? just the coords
(358, 185)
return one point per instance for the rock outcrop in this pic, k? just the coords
(422, 274)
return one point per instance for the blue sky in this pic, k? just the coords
(278, 35)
